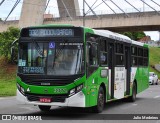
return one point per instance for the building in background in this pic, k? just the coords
(48, 16)
(147, 40)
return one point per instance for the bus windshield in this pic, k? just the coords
(51, 58)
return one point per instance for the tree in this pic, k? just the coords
(134, 35)
(6, 39)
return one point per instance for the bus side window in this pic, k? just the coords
(103, 52)
(87, 52)
(119, 54)
(92, 56)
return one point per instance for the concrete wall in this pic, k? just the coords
(136, 22)
(157, 67)
(4, 26)
(117, 22)
(72, 7)
(32, 12)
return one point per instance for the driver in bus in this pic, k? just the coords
(103, 58)
(58, 61)
(41, 60)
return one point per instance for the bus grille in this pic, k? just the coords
(46, 81)
(54, 98)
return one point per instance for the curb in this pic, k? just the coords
(1, 98)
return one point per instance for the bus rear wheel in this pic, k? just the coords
(134, 93)
(44, 108)
(157, 82)
(100, 101)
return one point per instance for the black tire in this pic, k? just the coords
(157, 82)
(44, 108)
(152, 82)
(100, 101)
(134, 93)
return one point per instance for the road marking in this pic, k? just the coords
(134, 104)
(129, 106)
(2, 98)
(28, 108)
(156, 97)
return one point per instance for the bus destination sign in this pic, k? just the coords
(51, 32)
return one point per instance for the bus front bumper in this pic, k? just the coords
(77, 100)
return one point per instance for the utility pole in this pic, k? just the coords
(159, 35)
(84, 13)
(143, 6)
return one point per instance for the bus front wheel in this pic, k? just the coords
(100, 101)
(44, 108)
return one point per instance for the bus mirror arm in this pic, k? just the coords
(13, 52)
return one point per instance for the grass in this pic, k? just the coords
(154, 57)
(7, 79)
(7, 87)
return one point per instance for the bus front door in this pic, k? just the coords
(127, 68)
(111, 65)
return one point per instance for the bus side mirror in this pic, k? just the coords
(14, 52)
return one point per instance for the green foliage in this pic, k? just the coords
(134, 35)
(154, 58)
(6, 39)
(7, 78)
(7, 87)
(154, 55)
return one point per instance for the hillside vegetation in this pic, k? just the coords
(154, 58)
(7, 71)
(7, 78)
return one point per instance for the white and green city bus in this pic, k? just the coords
(64, 65)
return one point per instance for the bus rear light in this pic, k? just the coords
(104, 73)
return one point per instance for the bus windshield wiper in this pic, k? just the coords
(37, 47)
(58, 53)
(78, 55)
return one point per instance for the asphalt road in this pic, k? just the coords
(148, 102)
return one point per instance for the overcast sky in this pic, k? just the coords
(53, 9)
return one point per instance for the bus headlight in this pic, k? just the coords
(21, 89)
(18, 87)
(76, 90)
(72, 92)
(79, 88)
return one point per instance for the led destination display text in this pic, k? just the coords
(51, 32)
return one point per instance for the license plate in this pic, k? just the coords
(45, 100)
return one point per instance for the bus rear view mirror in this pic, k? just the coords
(14, 52)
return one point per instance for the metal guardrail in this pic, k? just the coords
(157, 67)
